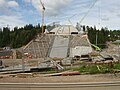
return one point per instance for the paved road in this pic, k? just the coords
(63, 86)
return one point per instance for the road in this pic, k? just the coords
(61, 86)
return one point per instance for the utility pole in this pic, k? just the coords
(43, 14)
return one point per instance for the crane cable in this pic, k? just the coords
(88, 10)
(85, 14)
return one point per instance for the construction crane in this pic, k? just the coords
(43, 13)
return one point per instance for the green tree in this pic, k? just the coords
(6, 37)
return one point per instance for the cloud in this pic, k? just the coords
(13, 4)
(103, 13)
(2, 2)
(53, 7)
(11, 14)
(5, 5)
(12, 21)
(27, 1)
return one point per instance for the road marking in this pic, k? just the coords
(58, 85)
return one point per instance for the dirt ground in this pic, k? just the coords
(40, 78)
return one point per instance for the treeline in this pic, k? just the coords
(18, 36)
(100, 37)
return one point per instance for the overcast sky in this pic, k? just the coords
(105, 13)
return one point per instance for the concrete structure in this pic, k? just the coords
(80, 50)
(61, 42)
(64, 30)
(60, 47)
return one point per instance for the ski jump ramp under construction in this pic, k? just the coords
(61, 42)
(60, 47)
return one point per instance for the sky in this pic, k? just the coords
(99, 13)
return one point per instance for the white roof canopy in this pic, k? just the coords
(64, 30)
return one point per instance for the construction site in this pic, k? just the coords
(60, 48)
(59, 45)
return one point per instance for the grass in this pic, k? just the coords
(96, 69)
(90, 69)
(116, 66)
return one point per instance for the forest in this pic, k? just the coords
(19, 37)
(103, 36)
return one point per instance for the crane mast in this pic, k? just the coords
(43, 14)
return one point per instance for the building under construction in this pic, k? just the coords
(61, 42)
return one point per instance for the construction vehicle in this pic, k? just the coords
(96, 47)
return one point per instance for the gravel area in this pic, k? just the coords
(40, 78)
